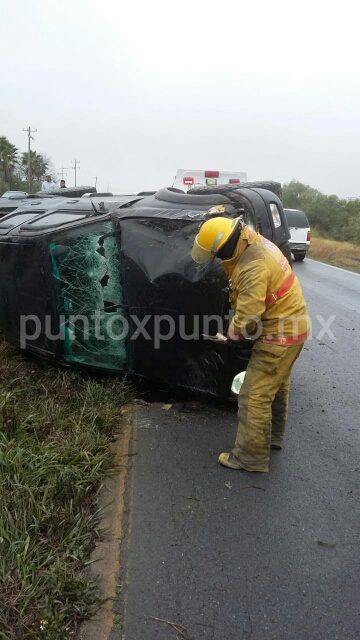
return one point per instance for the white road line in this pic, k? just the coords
(331, 266)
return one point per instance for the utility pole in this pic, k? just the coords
(96, 179)
(29, 131)
(75, 167)
(61, 172)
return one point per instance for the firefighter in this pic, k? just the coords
(269, 309)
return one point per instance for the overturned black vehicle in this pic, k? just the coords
(111, 285)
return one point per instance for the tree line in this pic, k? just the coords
(333, 217)
(14, 168)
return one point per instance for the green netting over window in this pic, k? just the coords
(90, 298)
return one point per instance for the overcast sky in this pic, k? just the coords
(137, 90)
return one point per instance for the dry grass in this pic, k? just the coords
(339, 254)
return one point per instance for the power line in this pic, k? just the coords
(62, 172)
(75, 167)
(29, 131)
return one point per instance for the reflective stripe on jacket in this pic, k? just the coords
(263, 287)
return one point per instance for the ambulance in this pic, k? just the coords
(185, 179)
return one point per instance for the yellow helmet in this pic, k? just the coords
(211, 237)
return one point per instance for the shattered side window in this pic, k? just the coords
(86, 267)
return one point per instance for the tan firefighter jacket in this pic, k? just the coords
(264, 292)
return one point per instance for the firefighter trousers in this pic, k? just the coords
(263, 403)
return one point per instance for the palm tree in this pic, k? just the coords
(39, 166)
(8, 159)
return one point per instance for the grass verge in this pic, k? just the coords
(56, 428)
(339, 254)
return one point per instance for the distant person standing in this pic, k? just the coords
(62, 184)
(48, 184)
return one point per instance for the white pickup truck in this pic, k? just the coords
(300, 233)
(185, 179)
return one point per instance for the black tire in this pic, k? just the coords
(224, 189)
(298, 257)
(285, 248)
(70, 192)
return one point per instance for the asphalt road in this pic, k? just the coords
(233, 555)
